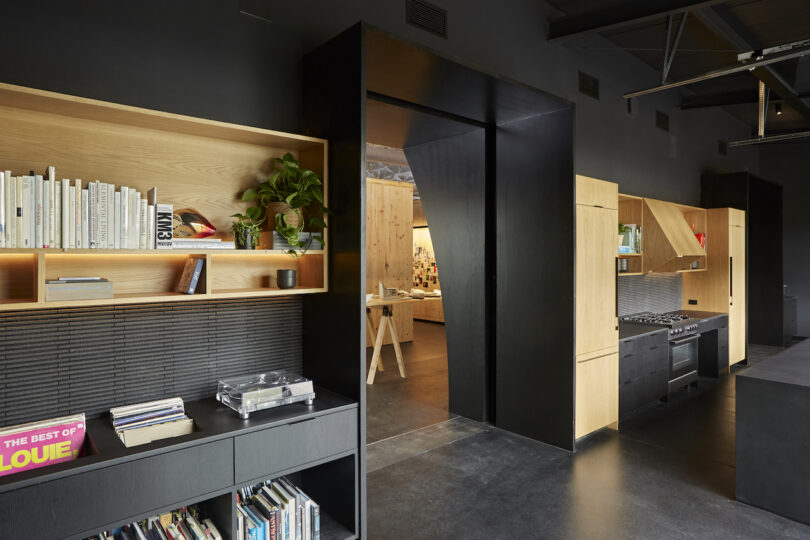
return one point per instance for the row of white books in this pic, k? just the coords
(39, 211)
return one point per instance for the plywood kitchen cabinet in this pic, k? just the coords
(669, 243)
(389, 248)
(597, 335)
(722, 287)
(597, 399)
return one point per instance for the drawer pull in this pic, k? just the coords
(653, 348)
(627, 356)
(302, 421)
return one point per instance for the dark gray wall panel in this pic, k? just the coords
(451, 175)
(535, 278)
(90, 359)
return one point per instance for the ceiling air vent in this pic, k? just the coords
(426, 16)
(662, 120)
(589, 85)
(722, 148)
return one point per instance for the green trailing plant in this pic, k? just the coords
(300, 189)
(623, 228)
(248, 225)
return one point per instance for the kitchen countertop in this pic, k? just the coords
(791, 366)
(702, 314)
(630, 330)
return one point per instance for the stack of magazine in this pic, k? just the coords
(276, 510)
(187, 523)
(146, 422)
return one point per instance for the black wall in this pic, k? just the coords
(535, 278)
(451, 175)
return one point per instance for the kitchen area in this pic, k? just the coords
(658, 312)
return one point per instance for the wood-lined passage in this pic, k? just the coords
(389, 247)
(18, 277)
(593, 192)
(597, 394)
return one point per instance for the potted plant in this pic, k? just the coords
(246, 228)
(622, 230)
(285, 196)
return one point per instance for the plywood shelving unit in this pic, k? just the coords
(631, 210)
(193, 162)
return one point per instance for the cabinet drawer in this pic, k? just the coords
(267, 452)
(71, 505)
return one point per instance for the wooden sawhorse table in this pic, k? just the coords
(387, 320)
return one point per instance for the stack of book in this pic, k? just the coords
(77, 288)
(39, 211)
(202, 243)
(276, 510)
(186, 523)
(146, 422)
(39, 444)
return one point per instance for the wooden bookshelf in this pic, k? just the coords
(193, 162)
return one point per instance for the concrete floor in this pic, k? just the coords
(669, 473)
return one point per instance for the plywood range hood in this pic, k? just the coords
(669, 242)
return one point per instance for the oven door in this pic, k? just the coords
(683, 356)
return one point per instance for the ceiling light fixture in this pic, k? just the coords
(778, 108)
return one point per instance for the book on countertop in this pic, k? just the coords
(38, 444)
(58, 290)
(191, 275)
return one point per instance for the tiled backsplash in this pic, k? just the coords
(650, 292)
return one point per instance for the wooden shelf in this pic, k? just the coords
(629, 255)
(194, 163)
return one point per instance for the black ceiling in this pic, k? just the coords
(715, 31)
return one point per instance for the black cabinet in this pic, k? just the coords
(643, 370)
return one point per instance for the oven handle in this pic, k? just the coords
(685, 340)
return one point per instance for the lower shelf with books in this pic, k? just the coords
(143, 277)
(315, 446)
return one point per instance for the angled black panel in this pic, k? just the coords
(534, 379)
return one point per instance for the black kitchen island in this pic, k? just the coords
(773, 434)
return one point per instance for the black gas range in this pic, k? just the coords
(683, 344)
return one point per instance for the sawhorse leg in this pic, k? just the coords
(370, 328)
(386, 319)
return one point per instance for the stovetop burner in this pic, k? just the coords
(679, 325)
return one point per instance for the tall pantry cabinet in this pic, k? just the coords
(597, 330)
(722, 287)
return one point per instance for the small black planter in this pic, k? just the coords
(285, 279)
(245, 239)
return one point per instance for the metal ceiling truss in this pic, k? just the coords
(621, 14)
(669, 51)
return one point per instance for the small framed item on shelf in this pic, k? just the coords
(252, 393)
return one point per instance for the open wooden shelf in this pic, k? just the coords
(194, 163)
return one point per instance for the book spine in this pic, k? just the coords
(142, 221)
(86, 216)
(52, 205)
(198, 267)
(39, 184)
(163, 226)
(110, 216)
(20, 222)
(101, 189)
(28, 209)
(117, 224)
(92, 224)
(78, 212)
(12, 215)
(46, 210)
(56, 239)
(134, 219)
(65, 223)
(150, 226)
(124, 217)
(71, 223)
(3, 198)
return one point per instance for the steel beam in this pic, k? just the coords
(771, 139)
(721, 24)
(621, 14)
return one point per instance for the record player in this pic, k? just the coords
(252, 393)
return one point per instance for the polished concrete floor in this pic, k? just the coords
(669, 473)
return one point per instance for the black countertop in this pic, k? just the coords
(631, 330)
(791, 366)
(702, 314)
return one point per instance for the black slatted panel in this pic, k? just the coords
(56, 362)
